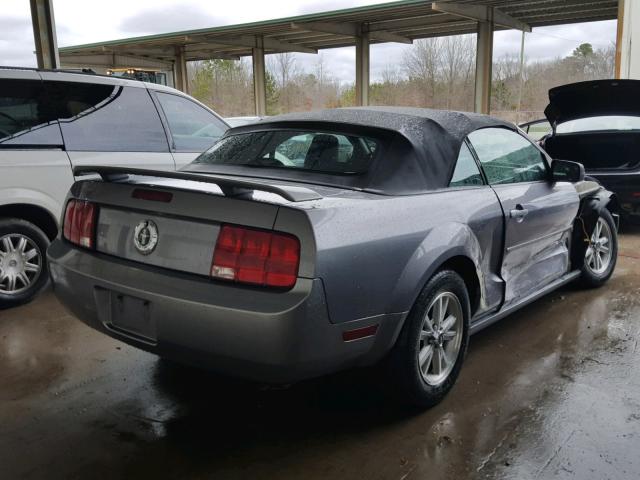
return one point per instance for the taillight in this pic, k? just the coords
(256, 257)
(80, 223)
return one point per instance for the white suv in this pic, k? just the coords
(52, 121)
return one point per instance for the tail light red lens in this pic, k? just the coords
(80, 223)
(152, 195)
(256, 257)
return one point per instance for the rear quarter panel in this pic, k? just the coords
(374, 255)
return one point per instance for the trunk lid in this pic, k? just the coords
(172, 220)
(183, 244)
(592, 99)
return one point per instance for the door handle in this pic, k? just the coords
(519, 213)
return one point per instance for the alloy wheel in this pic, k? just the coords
(20, 263)
(440, 338)
(598, 256)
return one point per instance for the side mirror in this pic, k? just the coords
(566, 171)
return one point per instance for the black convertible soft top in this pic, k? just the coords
(421, 146)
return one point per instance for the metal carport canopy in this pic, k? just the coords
(402, 21)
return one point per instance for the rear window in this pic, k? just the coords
(294, 149)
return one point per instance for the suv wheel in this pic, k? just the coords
(428, 356)
(23, 266)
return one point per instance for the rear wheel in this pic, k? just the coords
(428, 356)
(602, 253)
(23, 267)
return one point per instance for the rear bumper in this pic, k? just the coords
(267, 336)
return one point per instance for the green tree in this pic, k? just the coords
(273, 93)
(348, 96)
(583, 50)
(581, 60)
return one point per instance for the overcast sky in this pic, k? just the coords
(81, 22)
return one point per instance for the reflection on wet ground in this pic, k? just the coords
(553, 391)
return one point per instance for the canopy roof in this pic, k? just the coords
(401, 21)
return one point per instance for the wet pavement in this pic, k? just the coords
(552, 391)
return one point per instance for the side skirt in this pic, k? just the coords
(486, 320)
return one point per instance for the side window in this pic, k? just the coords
(538, 130)
(508, 157)
(193, 128)
(24, 116)
(107, 118)
(466, 172)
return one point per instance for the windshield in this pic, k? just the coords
(605, 123)
(294, 149)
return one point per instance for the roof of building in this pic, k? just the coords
(400, 21)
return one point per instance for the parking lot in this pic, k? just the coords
(552, 390)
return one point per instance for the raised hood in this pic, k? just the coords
(593, 99)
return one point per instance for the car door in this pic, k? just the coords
(538, 213)
(107, 123)
(192, 127)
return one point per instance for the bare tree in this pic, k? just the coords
(320, 68)
(390, 75)
(225, 85)
(283, 67)
(422, 63)
(603, 63)
(456, 63)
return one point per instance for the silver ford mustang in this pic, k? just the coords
(310, 243)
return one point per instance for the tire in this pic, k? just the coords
(405, 367)
(23, 267)
(596, 274)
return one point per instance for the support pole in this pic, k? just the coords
(619, 39)
(521, 89)
(484, 65)
(44, 34)
(259, 82)
(181, 81)
(628, 42)
(362, 69)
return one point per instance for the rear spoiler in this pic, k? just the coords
(230, 186)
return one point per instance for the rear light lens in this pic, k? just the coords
(80, 223)
(152, 195)
(256, 257)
